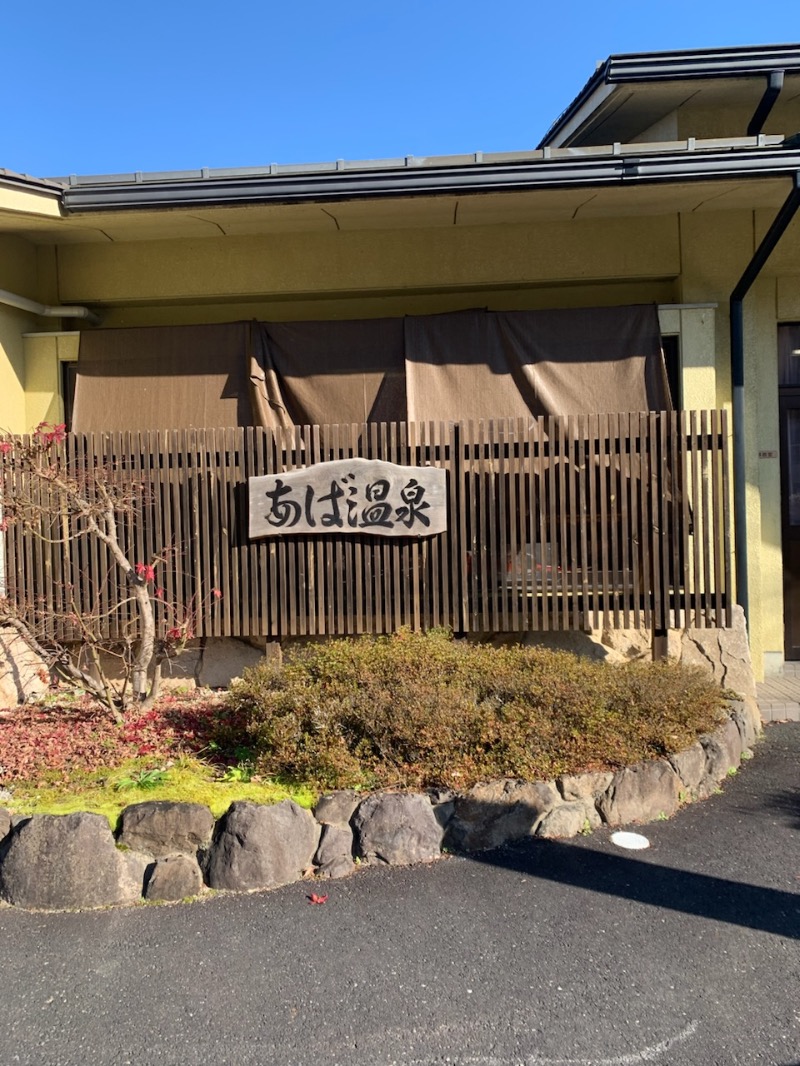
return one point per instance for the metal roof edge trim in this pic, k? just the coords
(747, 61)
(703, 63)
(13, 180)
(341, 185)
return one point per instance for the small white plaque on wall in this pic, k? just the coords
(350, 496)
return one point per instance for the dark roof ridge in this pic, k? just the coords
(740, 61)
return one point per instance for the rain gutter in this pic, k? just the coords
(751, 272)
(545, 171)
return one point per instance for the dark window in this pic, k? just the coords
(788, 361)
(69, 373)
(672, 361)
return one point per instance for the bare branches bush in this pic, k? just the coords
(76, 505)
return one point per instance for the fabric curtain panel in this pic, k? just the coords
(163, 377)
(484, 364)
(461, 366)
(322, 373)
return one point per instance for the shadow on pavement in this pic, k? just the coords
(766, 909)
(787, 802)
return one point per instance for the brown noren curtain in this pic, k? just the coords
(451, 367)
(162, 377)
(484, 364)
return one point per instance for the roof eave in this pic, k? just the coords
(627, 69)
(646, 168)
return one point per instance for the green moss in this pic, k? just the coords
(187, 781)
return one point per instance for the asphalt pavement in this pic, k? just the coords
(542, 954)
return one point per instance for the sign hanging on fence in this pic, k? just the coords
(350, 496)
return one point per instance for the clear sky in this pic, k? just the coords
(102, 87)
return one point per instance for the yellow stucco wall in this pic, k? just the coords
(371, 263)
(671, 258)
(18, 274)
(12, 369)
(44, 353)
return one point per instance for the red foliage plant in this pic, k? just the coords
(79, 736)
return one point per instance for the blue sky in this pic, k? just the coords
(99, 88)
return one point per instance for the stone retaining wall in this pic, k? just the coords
(171, 851)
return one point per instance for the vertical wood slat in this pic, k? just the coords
(666, 487)
(626, 540)
(245, 446)
(696, 518)
(318, 547)
(550, 525)
(262, 459)
(42, 556)
(500, 554)
(405, 614)
(655, 528)
(358, 437)
(583, 466)
(593, 474)
(470, 528)
(491, 570)
(433, 574)
(604, 494)
(292, 593)
(226, 544)
(716, 509)
(519, 570)
(458, 538)
(217, 467)
(635, 477)
(205, 502)
(565, 563)
(645, 525)
(552, 522)
(673, 514)
(574, 577)
(544, 582)
(421, 453)
(725, 519)
(708, 533)
(685, 518)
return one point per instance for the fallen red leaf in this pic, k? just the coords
(314, 898)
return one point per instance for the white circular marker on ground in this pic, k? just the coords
(631, 841)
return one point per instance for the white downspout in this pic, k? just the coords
(22, 303)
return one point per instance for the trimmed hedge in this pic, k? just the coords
(423, 710)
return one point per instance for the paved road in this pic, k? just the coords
(543, 955)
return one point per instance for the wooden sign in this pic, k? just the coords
(350, 496)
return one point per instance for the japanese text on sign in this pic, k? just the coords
(350, 496)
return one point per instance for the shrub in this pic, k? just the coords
(415, 710)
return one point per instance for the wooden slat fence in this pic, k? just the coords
(553, 524)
